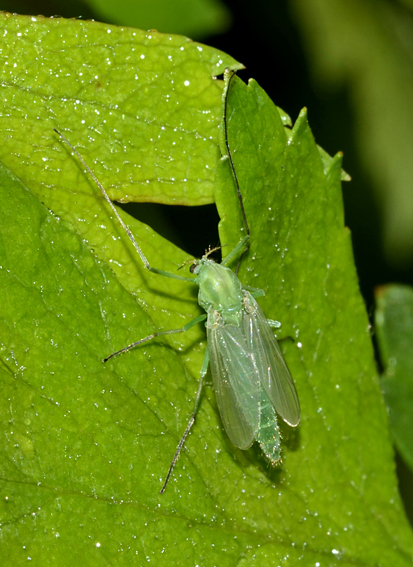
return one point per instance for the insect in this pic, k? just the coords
(250, 376)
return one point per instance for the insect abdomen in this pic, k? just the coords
(268, 434)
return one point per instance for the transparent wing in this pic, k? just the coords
(236, 382)
(272, 368)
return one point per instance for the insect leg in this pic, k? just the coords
(125, 228)
(228, 75)
(254, 291)
(274, 324)
(242, 244)
(158, 334)
(191, 420)
(278, 325)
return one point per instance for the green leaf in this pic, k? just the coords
(394, 325)
(86, 445)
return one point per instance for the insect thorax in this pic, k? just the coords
(219, 288)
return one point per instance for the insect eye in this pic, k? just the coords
(192, 267)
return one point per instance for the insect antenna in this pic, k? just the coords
(212, 250)
(186, 263)
(207, 253)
